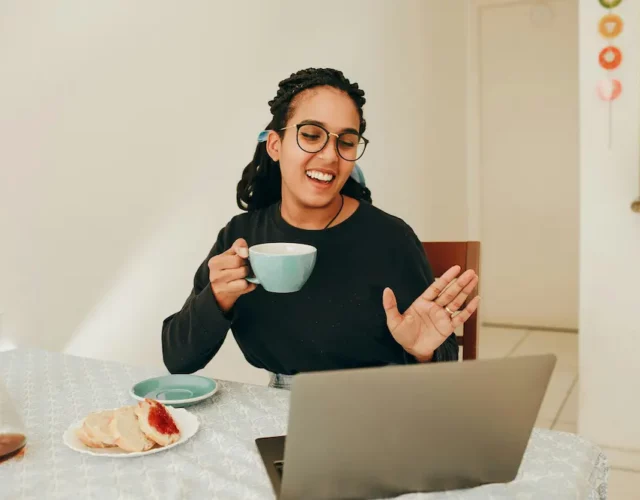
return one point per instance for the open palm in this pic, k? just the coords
(434, 315)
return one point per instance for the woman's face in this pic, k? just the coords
(314, 180)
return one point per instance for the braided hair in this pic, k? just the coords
(261, 183)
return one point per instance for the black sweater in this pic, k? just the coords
(336, 321)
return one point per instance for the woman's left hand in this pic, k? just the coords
(434, 315)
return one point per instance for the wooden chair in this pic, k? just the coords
(466, 254)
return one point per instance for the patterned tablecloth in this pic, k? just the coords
(221, 462)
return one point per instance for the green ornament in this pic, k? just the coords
(610, 4)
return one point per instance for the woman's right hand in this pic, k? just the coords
(227, 273)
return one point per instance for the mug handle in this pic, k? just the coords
(253, 279)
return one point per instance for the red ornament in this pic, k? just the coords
(610, 58)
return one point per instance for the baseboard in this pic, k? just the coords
(622, 459)
(531, 328)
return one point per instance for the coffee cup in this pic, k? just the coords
(281, 267)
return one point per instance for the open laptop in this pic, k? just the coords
(383, 432)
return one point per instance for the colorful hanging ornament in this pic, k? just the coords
(610, 26)
(610, 58)
(610, 4)
(609, 90)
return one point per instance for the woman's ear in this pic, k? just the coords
(273, 145)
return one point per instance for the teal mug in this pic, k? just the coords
(282, 267)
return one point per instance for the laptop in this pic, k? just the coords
(383, 432)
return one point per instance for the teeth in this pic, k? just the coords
(321, 176)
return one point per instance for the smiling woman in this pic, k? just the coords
(317, 115)
(299, 189)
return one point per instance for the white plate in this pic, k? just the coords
(187, 422)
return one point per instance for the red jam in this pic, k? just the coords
(160, 419)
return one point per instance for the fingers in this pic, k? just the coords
(232, 281)
(466, 313)
(222, 262)
(454, 296)
(233, 258)
(394, 318)
(240, 287)
(229, 275)
(227, 271)
(440, 284)
(241, 248)
(441, 318)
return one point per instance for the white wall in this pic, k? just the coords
(125, 127)
(610, 239)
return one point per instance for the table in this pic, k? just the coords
(52, 390)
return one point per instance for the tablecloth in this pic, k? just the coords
(53, 390)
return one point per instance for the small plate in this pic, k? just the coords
(175, 390)
(187, 422)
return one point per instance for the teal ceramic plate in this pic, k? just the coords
(175, 390)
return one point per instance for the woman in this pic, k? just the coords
(370, 265)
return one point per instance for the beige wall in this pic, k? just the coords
(125, 127)
(609, 239)
(526, 58)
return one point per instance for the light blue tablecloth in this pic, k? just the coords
(51, 391)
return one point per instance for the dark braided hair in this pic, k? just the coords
(261, 183)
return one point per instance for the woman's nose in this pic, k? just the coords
(330, 151)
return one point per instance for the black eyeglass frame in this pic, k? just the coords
(298, 126)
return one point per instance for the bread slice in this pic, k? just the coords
(126, 431)
(88, 440)
(95, 430)
(157, 423)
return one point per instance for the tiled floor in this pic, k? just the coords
(559, 409)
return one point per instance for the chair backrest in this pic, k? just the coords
(444, 254)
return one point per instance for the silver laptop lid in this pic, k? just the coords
(380, 432)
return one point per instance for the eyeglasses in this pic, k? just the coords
(313, 138)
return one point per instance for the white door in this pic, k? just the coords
(527, 96)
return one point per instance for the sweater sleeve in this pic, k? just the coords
(421, 277)
(194, 335)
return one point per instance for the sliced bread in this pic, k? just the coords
(95, 430)
(88, 440)
(126, 430)
(157, 423)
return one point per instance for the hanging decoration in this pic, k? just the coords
(610, 58)
(610, 26)
(609, 90)
(610, 4)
